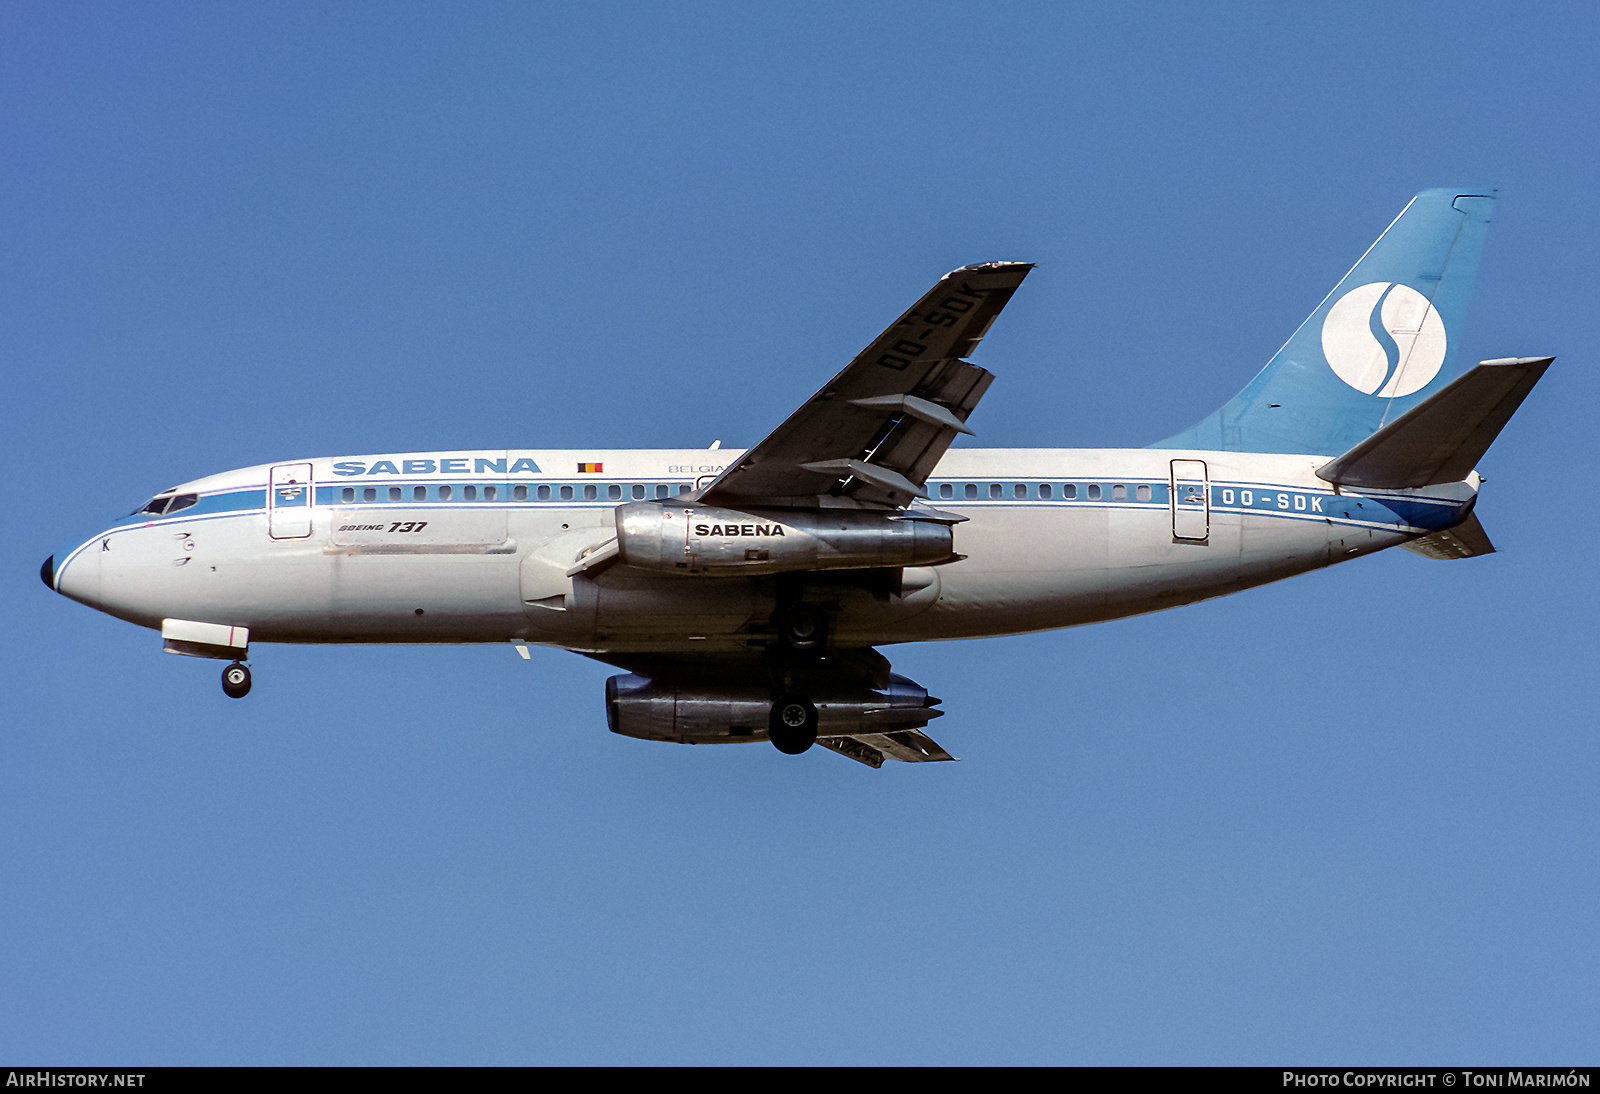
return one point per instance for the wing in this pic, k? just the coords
(873, 434)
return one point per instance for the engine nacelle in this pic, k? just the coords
(691, 539)
(688, 712)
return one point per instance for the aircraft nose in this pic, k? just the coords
(74, 574)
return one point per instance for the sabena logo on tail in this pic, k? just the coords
(1384, 339)
(1373, 347)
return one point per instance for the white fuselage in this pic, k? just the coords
(477, 547)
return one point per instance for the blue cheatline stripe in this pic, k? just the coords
(1370, 514)
(1370, 510)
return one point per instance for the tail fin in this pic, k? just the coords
(1381, 342)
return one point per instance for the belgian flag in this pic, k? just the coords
(590, 468)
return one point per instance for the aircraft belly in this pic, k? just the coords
(1020, 564)
(627, 605)
(228, 570)
(1030, 570)
(461, 597)
(354, 580)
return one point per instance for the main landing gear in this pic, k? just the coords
(793, 728)
(236, 681)
(802, 632)
(803, 627)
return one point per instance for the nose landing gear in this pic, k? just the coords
(236, 681)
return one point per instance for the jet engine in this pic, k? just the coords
(688, 712)
(690, 539)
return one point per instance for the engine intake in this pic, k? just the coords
(690, 539)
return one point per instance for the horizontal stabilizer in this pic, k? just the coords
(1465, 540)
(1443, 438)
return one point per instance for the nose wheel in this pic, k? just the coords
(236, 681)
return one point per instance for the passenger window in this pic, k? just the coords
(1020, 490)
(1069, 491)
(469, 493)
(394, 493)
(444, 493)
(520, 493)
(971, 490)
(684, 487)
(638, 493)
(1143, 493)
(590, 492)
(566, 493)
(349, 493)
(419, 493)
(369, 493)
(490, 493)
(614, 492)
(1094, 492)
(662, 491)
(1044, 491)
(994, 490)
(544, 493)
(946, 490)
(1119, 493)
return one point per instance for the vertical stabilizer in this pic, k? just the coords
(1382, 341)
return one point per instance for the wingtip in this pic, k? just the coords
(977, 266)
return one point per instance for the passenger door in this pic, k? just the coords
(1191, 501)
(289, 501)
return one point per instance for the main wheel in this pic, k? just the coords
(236, 681)
(804, 627)
(793, 726)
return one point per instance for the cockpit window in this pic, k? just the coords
(167, 503)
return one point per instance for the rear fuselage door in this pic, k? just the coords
(1191, 501)
(289, 501)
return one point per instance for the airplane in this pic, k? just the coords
(744, 594)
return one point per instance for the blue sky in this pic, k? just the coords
(1346, 818)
